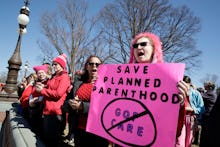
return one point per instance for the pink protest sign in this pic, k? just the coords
(136, 104)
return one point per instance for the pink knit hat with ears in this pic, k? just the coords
(158, 53)
(61, 59)
(41, 67)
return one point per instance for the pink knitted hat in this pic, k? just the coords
(41, 67)
(158, 54)
(61, 59)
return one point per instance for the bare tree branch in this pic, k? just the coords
(122, 20)
(108, 35)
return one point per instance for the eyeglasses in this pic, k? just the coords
(92, 64)
(141, 44)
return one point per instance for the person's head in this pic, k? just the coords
(49, 68)
(59, 63)
(23, 82)
(41, 71)
(91, 67)
(187, 79)
(146, 47)
(31, 78)
(209, 85)
(201, 89)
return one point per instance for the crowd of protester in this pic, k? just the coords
(50, 101)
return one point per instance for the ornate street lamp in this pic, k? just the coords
(10, 89)
(26, 67)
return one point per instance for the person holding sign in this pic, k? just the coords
(138, 104)
(81, 102)
(146, 47)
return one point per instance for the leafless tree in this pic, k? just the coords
(121, 20)
(211, 77)
(109, 35)
(68, 30)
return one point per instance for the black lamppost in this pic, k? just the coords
(10, 89)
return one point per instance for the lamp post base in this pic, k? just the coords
(8, 97)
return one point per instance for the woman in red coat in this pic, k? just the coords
(54, 95)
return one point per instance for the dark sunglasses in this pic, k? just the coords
(92, 64)
(55, 64)
(141, 44)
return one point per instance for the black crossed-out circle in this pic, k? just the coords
(136, 116)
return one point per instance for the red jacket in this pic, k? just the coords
(55, 93)
(25, 96)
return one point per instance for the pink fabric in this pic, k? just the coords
(186, 137)
(112, 93)
(158, 54)
(61, 59)
(41, 67)
(55, 93)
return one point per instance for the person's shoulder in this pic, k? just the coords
(193, 90)
(77, 82)
(62, 75)
(211, 94)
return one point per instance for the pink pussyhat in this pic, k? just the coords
(41, 67)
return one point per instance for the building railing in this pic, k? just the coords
(16, 132)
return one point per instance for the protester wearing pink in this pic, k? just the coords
(43, 77)
(36, 101)
(146, 47)
(54, 94)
